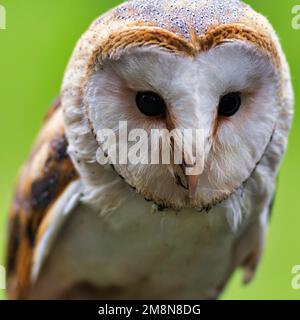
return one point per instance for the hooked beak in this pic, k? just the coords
(191, 169)
(192, 181)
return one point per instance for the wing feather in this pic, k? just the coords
(44, 177)
(52, 224)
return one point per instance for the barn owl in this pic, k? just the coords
(79, 228)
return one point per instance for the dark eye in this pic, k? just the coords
(150, 103)
(230, 104)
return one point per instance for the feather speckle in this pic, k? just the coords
(181, 15)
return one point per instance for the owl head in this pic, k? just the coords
(161, 67)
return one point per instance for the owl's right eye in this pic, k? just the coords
(230, 104)
(150, 103)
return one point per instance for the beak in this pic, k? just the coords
(190, 168)
(192, 172)
(192, 182)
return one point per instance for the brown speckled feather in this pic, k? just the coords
(43, 178)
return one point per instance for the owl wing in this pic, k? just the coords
(44, 178)
(256, 232)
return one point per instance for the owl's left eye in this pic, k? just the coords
(150, 103)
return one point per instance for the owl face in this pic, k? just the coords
(228, 93)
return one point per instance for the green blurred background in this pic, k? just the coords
(34, 50)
